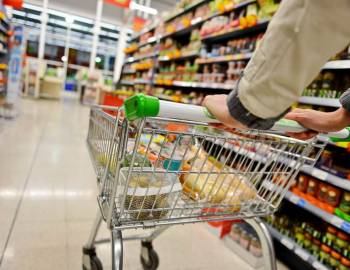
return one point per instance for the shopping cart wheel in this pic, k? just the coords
(90, 260)
(149, 257)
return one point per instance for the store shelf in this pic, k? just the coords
(164, 97)
(197, 21)
(136, 59)
(294, 247)
(127, 82)
(331, 219)
(142, 81)
(147, 29)
(203, 85)
(337, 64)
(330, 102)
(236, 33)
(149, 41)
(129, 71)
(327, 177)
(226, 58)
(182, 57)
(184, 11)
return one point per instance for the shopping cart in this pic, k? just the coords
(157, 167)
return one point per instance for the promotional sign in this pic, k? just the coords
(138, 24)
(14, 3)
(119, 3)
(14, 85)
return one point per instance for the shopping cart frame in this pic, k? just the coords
(149, 257)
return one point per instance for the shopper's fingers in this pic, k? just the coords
(303, 135)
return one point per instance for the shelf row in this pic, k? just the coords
(294, 247)
(330, 102)
(329, 218)
(194, 85)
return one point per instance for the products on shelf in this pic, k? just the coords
(244, 235)
(323, 195)
(335, 161)
(328, 245)
(131, 49)
(233, 47)
(328, 84)
(238, 19)
(144, 65)
(145, 51)
(146, 36)
(195, 98)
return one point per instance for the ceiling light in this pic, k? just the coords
(64, 58)
(98, 59)
(149, 10)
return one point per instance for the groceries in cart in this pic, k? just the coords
(167, 173)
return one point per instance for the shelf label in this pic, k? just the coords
(294, 199)
(336, 221)
(319, 174)
(319, 266)
(302, 254)
(345, 226)
(288, 243)
(301, 202)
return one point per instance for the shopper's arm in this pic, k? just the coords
(300, 39)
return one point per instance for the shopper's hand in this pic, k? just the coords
(318, 121)
(216, 105)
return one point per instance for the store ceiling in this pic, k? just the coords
(87, 8)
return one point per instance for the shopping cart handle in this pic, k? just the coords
(286, 125)
(140, 105)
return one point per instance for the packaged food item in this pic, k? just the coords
(334, 260)
(325, 255)
(255, 247)
(322, 192)
(244, 240)
(312, 187)
(333, 196)
(330, 236)
(235, 232)
(149, 194)
(302, 182)
(341, 242)
(344, 264)
(345, 203)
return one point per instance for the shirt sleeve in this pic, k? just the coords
(302, 36)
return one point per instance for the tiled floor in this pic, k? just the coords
(48, 201)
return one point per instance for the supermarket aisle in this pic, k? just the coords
(47, 199)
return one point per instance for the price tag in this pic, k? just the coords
(288, 243)
(319, 266)
(319, 174)
(301, 202)
(345, 226)
(302, 254)
(294, 199)
(336, 221)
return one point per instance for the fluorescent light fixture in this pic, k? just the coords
(33, 16)
(69, 19)
(149, 10)
(64, 58)
(32, 7)
(18, 13)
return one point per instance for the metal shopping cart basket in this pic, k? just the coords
(154, 172)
